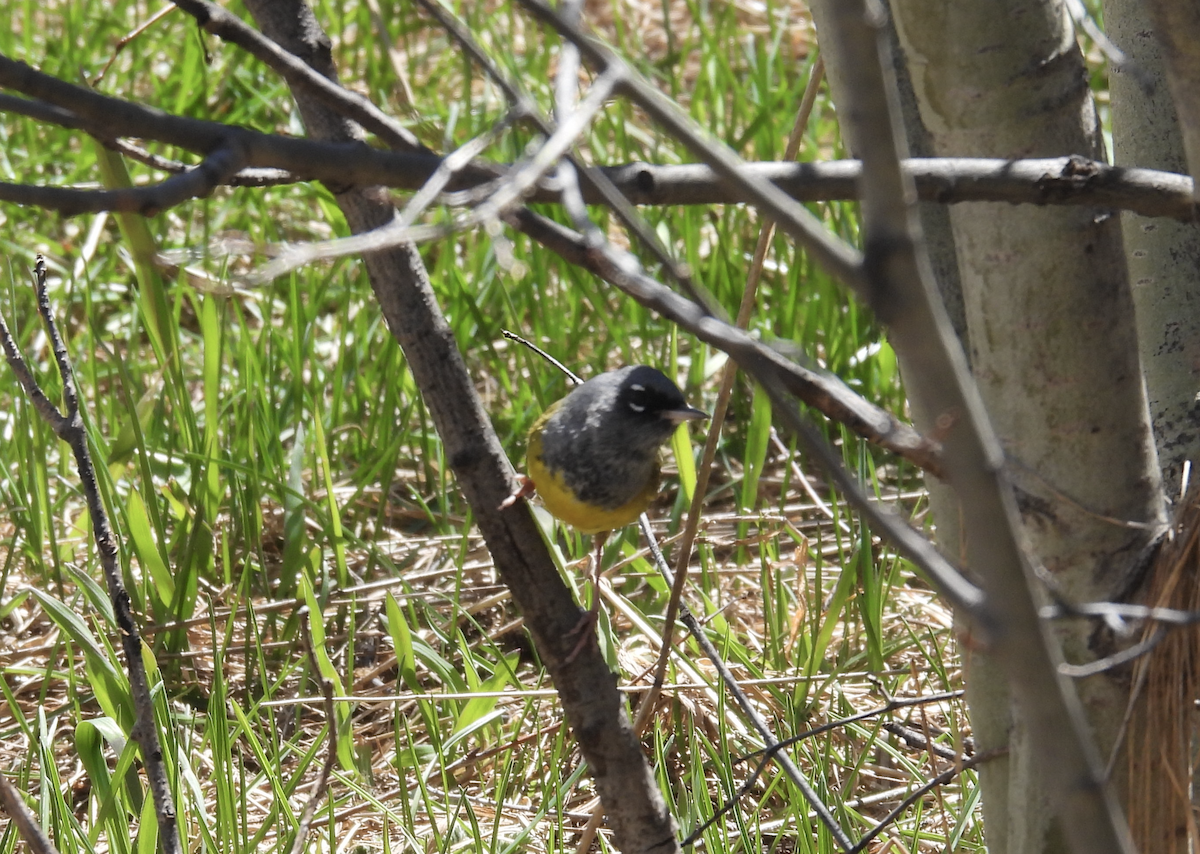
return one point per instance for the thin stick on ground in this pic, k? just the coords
(321, 784)
(24, 819)
(891, 705)
(69, 427)
(743, 702)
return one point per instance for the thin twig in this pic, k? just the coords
(769, 754)
(920, 792)
(321, 784)
(508, 192)
(1100, 665)
(831, 253)
(23, 817)
(742, 701)
(578, 182)
(683, 556)
(129, 38)
(512, 336)
(230, 28)
(69, 427)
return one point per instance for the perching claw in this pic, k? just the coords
(525, 488)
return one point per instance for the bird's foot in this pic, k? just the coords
(525, 488)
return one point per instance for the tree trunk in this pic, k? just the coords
(1053, 349)
(1164, 271)
(1164, 255)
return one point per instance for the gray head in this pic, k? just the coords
(604, 436)
(639, 403)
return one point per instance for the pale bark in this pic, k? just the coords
(1164, 255)
(1177, 28)
(1164, 270)
(1053, 348)
(943, 261)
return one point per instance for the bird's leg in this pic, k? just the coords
(590, 617)
(525, 488)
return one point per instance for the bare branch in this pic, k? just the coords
(922, 790)
(26, 822)
(69, 427)
(1049, 181)
(1111, 611)
(823, 391)
(340, 163)
(637, 813)
(831, 253)
(299, 75)
(509, 191)
(196, 183)
(946, 180)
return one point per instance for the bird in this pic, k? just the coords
(593, 456)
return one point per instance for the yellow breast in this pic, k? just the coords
(562, 503)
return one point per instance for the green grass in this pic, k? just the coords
(270, 444)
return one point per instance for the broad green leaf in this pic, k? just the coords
(141, 534)
(106, 680)
(681, 446)
(402, 642)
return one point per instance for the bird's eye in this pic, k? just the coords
(637, 395)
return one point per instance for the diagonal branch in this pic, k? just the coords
(22, 816)
(300, 76)
(791, 217)
(69, 427)
(637, 813)
(824, 392)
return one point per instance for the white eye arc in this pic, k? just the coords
(636, 387)
(637, 407)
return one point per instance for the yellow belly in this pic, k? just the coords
(563, 505)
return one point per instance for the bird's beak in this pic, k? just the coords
(687, 413)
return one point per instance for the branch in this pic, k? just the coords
(1045, 181)
(340, 163)
(920, 792)
(579, 182)
(638, 816)
(299, 75)
(824, 392)
(69, 427)
(196, 183)
(836, 256)
(22, 816)
(945, 180)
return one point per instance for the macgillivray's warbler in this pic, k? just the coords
(593, 456)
